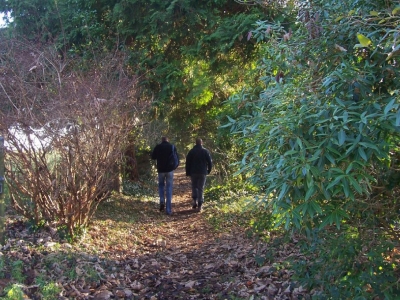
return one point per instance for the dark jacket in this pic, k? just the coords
(161, 153)
(198, 161)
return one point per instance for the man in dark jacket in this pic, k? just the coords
(165, 172)
(198, 165)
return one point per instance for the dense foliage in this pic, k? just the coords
(321, 139)
(191, 54)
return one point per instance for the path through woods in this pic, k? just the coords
(133, 251)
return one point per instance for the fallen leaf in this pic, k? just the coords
(190, 284)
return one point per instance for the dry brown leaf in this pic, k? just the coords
(209, 266)
(190, 284)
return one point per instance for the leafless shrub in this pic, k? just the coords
(65, 127)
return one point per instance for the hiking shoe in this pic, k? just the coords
(194, 204)
(199, 208)
(162, 206)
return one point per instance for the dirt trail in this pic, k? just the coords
(186, 226)
(191, 261)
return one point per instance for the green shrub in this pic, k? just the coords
(14, 292)
(348, 265)
(17, 271)
(50, 291)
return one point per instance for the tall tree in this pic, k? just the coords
(191, 54)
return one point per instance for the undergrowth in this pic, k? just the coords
(345, 263)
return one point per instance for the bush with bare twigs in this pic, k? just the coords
(66, 126)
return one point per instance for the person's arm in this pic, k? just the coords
(209, 162)
(177, 155)
(187, 164)
(154, 153)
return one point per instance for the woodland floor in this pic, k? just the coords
(133, 251)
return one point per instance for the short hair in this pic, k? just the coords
(164, 139)
(199, 141)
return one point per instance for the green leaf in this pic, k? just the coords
(374, 13)
(231, 120)
(398, 118)
(225, 126)
(362, 153)
(389, 106)
(364, 41)
(341, 137)
(283, 191)
(396, 10)
(356, 185)
(316, 207)
(335, 182)
(298, 140)
(327, 220)
(351, 12)
(330, 158)
(290, 152)
(310, 192)
(369, 145)
(337, 219)
(333, 150)
(349, 168)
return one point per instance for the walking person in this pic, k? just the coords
(162, 153)
(198, 165)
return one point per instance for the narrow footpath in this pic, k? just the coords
(188, 260)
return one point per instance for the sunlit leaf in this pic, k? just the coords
(396, 10)
(364, 41)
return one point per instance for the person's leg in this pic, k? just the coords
(193, 179)
(161, 187)
(170, 182)
(200, 187)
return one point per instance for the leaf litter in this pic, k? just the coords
(133, 251)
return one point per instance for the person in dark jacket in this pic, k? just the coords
(198, 165)
(161, 153)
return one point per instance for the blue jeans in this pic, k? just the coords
(166, 179)
(198, 183)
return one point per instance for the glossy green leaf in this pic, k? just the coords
(362, 153)
(341, 137)
(355, 185)
(397, 123)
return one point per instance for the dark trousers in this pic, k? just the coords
(198, 183)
